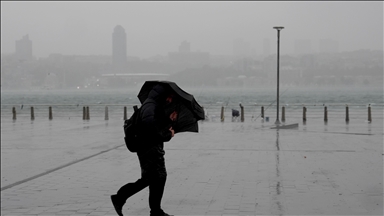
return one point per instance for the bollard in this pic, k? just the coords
(242, 113)
(304, 114)
(13, 113)
(325, 114)
(222, 114)
(262, 112)
(283, 114)
(32, 113)
(106, 113)
(84, 115)
(346, 113)
(125, 113)
(87, 113)
(205, 114)
(50, 113)
(369, 114)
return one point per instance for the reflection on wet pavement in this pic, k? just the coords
(227, 168)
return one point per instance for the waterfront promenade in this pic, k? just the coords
(71, 167)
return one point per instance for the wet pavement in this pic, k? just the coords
(71, 167)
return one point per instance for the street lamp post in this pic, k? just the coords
(278, 28)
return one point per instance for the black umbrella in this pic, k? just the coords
(189, 110)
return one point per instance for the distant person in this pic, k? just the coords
(235, 114)
(157, 115)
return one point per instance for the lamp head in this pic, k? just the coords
(278, 28)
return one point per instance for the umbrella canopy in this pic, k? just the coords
(189, 110)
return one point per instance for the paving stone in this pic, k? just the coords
(226, 169)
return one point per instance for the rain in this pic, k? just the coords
(293, 116)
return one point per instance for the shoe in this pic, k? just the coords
(117, 206)
(164, 214)
(161, 214)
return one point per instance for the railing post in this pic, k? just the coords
(369, 114)
(87, 112)
(325, 114)
(32, 113)
(84, 113)
(13, 113)
(106, 113)
(242, 113)
(125, 113)
(262, 112)
(283, 114)
(50, 113)
(347, 113)
(304, 114)
(222, 114)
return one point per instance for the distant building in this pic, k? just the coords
(221, 60)
(187, 59)
(119, 49)
(185, 47)
(328, 46)
(302, 46)
(23, 49)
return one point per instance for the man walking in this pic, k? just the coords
(156, 115)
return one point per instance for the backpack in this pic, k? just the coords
(131, 131)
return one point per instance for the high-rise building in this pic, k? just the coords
(187, 59)
(23, 49)
(328, 46)
(185, 47)
(119, 49)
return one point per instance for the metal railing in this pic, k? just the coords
(213, 111)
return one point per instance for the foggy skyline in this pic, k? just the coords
(157, 28)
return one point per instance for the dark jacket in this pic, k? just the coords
(155, 123)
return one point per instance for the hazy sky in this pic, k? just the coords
(153, 28)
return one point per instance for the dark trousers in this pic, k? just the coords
(156, 190)
(154, 175)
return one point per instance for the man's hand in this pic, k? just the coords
(173, 116)
(172, 131)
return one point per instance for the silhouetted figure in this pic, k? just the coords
(235, 114)
(156, 118)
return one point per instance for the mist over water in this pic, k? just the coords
(224, 53)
